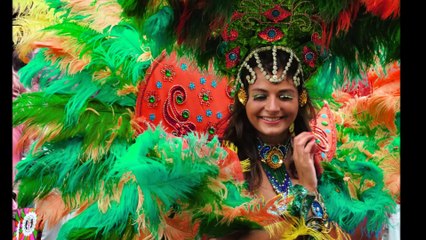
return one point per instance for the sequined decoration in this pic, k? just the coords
(277, 14)
(232, 57)
(271, 34)
(317, 209)
(168, 72)
(279, 179)
(273, 155)
(309, 56)
(205, 97)
(152, 99)
(178, 120)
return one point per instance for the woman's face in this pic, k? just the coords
(271, 108)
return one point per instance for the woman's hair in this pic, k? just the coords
(240, 131)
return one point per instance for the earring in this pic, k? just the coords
(242, 96)
(291, 130)
(303, 98)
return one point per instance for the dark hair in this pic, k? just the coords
(240, 131)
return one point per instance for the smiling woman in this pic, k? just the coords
(270, 127)
(207, 119)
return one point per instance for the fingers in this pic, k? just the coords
(303, 157)
(305, 142)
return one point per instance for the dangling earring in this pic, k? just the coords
(291, 130)
(242, 96)
(303, 98)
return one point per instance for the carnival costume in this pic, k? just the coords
(123, 133)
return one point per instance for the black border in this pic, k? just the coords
(6, 121)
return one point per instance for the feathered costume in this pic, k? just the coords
(133, 94)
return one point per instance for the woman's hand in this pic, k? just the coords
(303, 157)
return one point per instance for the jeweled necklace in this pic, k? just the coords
(272, 159)
(273, 155)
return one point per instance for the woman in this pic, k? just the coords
(270, 125)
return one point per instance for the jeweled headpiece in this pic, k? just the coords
(258, 25)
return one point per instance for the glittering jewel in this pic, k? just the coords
(273, 155)
(317, 209)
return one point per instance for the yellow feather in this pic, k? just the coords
(245, 164)
(100, 14)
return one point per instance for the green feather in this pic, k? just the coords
(329, 10)
(160, 180)
(238, 228)
(95, 128)
(116, 223)
(355, 51)
(60, 166)
(373, 203)
(158, 29)
(37, 69)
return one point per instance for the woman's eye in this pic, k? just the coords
(259, 97)
(286, 97)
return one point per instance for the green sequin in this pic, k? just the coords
(151, 99)
(206, 97)
(185, 114)
(179, 99)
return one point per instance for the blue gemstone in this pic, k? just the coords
(219, 115)
(317, 209)
(275, 158)
(275, 13)
(159, 84)
(232, 56)
(209, 112)
(272, 33)
(309, 56)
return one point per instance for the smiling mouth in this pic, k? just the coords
(271, 119)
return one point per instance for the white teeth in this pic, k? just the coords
(271, 119)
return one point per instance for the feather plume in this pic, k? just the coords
(349, 211)
(97, 120)
(384, 9)
(294, 227)
(91, 223)
(27, 27)
(100, 14)
(51, 215)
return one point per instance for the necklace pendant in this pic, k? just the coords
(274, 158)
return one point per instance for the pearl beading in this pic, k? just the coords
(251, 78)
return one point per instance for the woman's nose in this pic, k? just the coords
(272, 104)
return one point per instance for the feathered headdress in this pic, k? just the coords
(102, 71)
(342, 38)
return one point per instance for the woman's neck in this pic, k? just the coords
(274, 140)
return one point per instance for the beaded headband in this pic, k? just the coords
(274, 78)
(263, 25)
